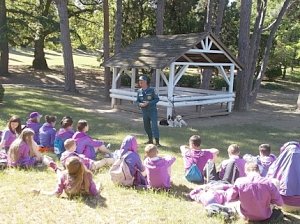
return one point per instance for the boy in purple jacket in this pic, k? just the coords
(256, 194)
(47, 134)
(34, 123)
(158, 168)
(193, 154)
(85, 144)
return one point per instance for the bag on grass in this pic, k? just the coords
(120, 173)
(193, 174)
(58, 146)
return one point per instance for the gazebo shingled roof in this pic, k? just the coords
(158, 52)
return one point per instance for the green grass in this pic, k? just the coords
(118, 205)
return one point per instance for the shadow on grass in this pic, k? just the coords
(95, 202)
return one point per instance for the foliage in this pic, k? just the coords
(273, 73)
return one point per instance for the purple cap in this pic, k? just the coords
(35, 114)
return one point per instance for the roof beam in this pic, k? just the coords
(198, 51)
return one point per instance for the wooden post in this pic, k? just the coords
(298, 103)
(230, 90)
(133, 75)
(171, 89)
(114, 86)
(157, 79)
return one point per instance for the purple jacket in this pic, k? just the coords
(199, 157)
(158, 171)
(47, 135)
(287, 170)
(64, 134)
(24, 157)
(133, 160)
(63, 184)
(35, 127)
(66, 154)
(8, 137)
(239, 162)
(256, 194)
(86, 145)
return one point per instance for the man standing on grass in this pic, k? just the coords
(147, 99)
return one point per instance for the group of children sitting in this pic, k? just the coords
(256, 182)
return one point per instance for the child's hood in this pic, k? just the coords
(154, 162)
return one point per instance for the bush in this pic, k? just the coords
(218, 82)
(191, 81)
(2, 90)
(273, 73)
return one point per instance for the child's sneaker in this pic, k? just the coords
(108, 146)
(108, 155)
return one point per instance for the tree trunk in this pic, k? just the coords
(207, 73)
(62, 7)
(160, 11)
(118, 32)
(266, 55)
(107, 75)
(298, 103)
(4, 51)
(241, 100)
(284, 72)
(255, 41)
(220, 15)
(39, 61)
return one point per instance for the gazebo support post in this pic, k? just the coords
(133, 75)
(114, 85)
(171, 89)
(157, 79)
(231, 86)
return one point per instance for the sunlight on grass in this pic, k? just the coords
(118, 205)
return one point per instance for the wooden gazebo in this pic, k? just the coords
(175, 53)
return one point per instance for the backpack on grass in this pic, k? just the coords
(58, 146)
(120, 172)
(193, 174)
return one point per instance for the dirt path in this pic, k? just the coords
(274, 108)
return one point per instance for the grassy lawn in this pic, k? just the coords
(118, 205)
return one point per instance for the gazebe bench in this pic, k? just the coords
(175, 54)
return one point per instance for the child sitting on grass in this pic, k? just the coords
(85, 144)
(34, 123)
(234, 156)
(47, 134)
(75, 180)
(23, 151)
(70, 146)
(12, 131)
(194, 155)
(158, 168)
(264, 159)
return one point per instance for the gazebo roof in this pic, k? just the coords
(158, 52)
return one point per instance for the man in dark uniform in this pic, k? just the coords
(147, 99)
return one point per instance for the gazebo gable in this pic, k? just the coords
(160, 51)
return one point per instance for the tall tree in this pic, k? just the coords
(62, 7)
(160, 11)
(39, 61)
(248, 50)
(244, 40)
(207, 73)
(4, 51)
(107, 75)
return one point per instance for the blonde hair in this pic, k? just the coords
(13, 152)
(151, 150)
(69, 143)
(233, 149)
(78, 177)
(251, 167)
